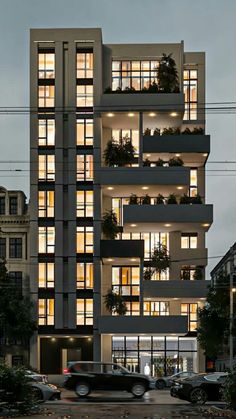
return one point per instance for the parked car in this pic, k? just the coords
(200, 388)
(37, 377)
(44, 392)
(84, 377)
(167, 381)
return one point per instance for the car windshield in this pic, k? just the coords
(114, 368)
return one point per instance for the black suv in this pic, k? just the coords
(83, 377)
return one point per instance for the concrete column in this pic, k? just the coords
(106, 343)
(140, 159)
(141, 287)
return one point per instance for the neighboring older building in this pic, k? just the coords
(14, 248)
(74, 79)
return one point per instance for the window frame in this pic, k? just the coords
(15, 248)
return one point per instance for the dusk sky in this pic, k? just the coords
(204, 25)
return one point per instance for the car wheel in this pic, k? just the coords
(38, 395)
(82, 389)
(198, 396)
(138, 389)
(160, 384)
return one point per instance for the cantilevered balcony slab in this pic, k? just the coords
(122, 248)
(171, 217)
(154, 325)
(165, 102)
(192, 256)
(175, 289)
(143, 176)
(176, 144)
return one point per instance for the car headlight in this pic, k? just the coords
(52, 386)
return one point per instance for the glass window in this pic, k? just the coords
(84, 239)
(188, 240)
(13, 201)
(84, 311)
(84, 203)
(46, 66)
(46, 311)
(131, 134)
(84, 96)
(46, 203)
(46, 132)
(46, 239)
(125, 280)
(156, 308)
(136, 74)
(2, 205)
(193, 182)
(46, 167)
(16, 278)
(84, 65)
(84, 132)
(46, 96)
(190, 94)
(84, 167)
(85, 275)
(190, 310)
(46, 275)
(15, 247)
(3, 247)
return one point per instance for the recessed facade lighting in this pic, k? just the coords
(110, 114)
(152, 114)
(177, 155)
(133, 260)
(110, 260)
(233, 289)
(131, 114)
(71, 339)
(175, 298)
(173, 114)
(110, 188)
(180, 187)
(133, 225)
(53, 339)
(145, 188)
(148, 155)
(167, 225)
(205, 154)
(205, 225)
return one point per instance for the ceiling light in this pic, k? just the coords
(233, 289)
(110, 188)
(175, 298)
(173, 114)
(133, 260)
(71, 339)
(110, 260)
(152, 114)
(180, 187)
(177, 155)
(145, 188)
(205, 154)
(148, 155)
(110, 114)
(167, 225)
(202, 298)
(205, 225)
(133, 225)
(130, 114)
(53, 339)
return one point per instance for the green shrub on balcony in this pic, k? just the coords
(133, 199)
(160, 259)
(198, 273)
(147, 131)
(160, 200)
(146, 200)
(110, 226)
(167, 75)
(185, 199)
(160, 163)
(171, 131)
(119, 154)
(196, 199)
(176, 161)
(157, 131)
(146, 163)
(147, 274)
(172, 199)
(115, 303)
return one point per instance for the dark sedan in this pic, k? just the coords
(200, 388)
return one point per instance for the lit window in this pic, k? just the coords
(84, 132)
(190, 310)
(84, 203)
(188, 240)
(190, 94)
(132, 134)
(46, 132)
(125, 280)
(46, 96)
(136, 74)
(46, 239)
(84, 97)
(85, 275)
(84, 311)
(46, 167)
(46, 275)
(46, 66)
(84, 239)
(84, 167)
(84, 65)
(156, 308)
(133, 308)
(46, 312)
(193, 182)
(46, 203)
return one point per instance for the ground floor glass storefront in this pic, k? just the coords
(155, 355)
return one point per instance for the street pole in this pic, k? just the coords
(232, 290)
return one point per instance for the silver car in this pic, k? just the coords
(167, 381)
(45, 392)
(35, 376)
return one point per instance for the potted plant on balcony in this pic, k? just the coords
(119, 154)
(147, 274)
(160, 259)
(146, 163)
(167, 75)
(176, 161)
(172, 199)
(196, 199)
(185, 274)
(198, 131)
(168, 131)
(186, 131)
(198, 273)
(160, 199)
(110, 226)
(146, 200)
(157, 131)
(185, 199)
(160, 163)
(133, 199)
(115, 303)
(147, 131)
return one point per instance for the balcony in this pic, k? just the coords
(192, 256)
(175, 289)
(170, 217)
(176, 143)
(144, 176)
(155, 325)
(164, 102)
(122, 248)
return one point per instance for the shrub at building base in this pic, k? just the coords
(229, 390)
(15, 391)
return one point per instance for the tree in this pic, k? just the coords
(110, 226)
(15, 312)
(160, 259)
(115, 303)
(213, 329)
(167, 75)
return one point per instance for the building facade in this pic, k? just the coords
(85, 93)
(14, 249)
